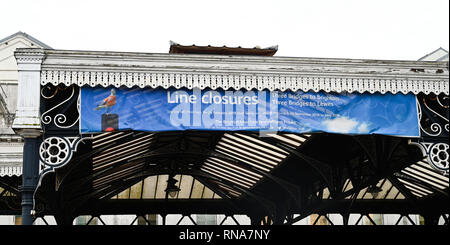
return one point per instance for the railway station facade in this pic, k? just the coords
(230, 131)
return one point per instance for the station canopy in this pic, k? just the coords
(344, 139)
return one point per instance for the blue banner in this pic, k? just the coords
(112, 109)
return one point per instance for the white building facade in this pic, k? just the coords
(11, 147)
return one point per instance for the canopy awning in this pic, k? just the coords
(238, 72)
(278, 174)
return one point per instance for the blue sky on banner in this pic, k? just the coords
(371, 29)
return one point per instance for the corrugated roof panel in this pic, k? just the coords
(109, 139)
(419, 166)
(416, 194)
(256, 145)
(277, 149)
(230, 173)
(103, 136)
(245, 161)
(235, 170)
(422, 177)
(120, 158)
(255, 175)
(121, 162)
(254, 149)
(425, 165)
(245, 155)
(285, 140)
(125, 147)
(299, 138)
(415, 188)
(109, 192)
(225, 176)
(428, 176)
(229, 190)
(114, 175)
(120, 154)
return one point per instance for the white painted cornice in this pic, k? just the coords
(242, 72)
(26, 57)
(10, 164)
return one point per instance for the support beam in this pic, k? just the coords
(397, 206)
(431, 219)
(130, 206)
(30, 177)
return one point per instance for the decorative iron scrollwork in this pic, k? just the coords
(65, 105)
(434, 115)
(437, 155)
(57, 151)
(434, 126)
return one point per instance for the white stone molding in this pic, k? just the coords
(28, 100)
(11, 169)
(243, 72)
(10, 164)
(11, 155)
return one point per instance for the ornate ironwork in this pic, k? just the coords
(434, 126)
(434, 115)
(61, 113)
(56, 152)
(59, 108)
(437, 155)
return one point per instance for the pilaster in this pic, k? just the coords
(27, 124)
(28, 100)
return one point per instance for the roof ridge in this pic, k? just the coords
(440, 48)
(28, 36)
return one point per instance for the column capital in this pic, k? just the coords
(29, 59)
(29, 132)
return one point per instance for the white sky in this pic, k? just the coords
(362, 29)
